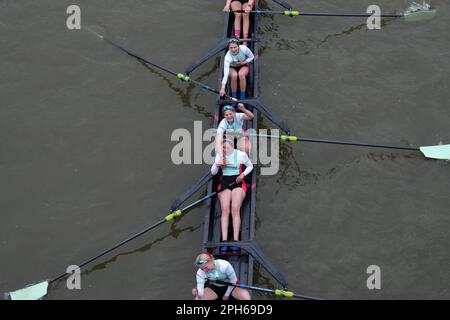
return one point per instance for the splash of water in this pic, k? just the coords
(415, 7)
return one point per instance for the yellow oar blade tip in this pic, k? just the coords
(441, 152)
(32, 292)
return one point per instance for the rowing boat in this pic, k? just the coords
(243, 262)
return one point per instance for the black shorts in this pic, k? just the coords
(239, 68)
(227, 180)
(241, 1)
(220, 291)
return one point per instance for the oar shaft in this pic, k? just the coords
(181, 76)
(212, 194)
(276, 292)
(293, 13)
(62, 275)
(140, 58)
(318, 14)
(199, 200)
(348, 143)
(300, 296)
(167, 218)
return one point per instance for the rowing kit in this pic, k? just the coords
(250, 252)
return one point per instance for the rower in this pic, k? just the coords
(210, 270)
(233, 122)
(236, 6)
(232, 198)
(236, 65)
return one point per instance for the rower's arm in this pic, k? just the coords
(226, 73)
(248, 164)
(219, 144)
(200, 284)
(231, 274)
(250, 55)
(215, 167)
(248, 115)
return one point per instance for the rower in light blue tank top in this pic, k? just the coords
(239, 57)
(233, 165)
(216, 274)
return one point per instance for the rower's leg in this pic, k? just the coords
(246, 21)
(241, 294)
(243, 79)
(208, 294)
(244, 144)
(236, 5)
(233, 76)
(225, 200)
(237, 196)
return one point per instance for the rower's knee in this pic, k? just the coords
(225, 211)
(234, 76)
(235, 210)
(245, 295)
(242, 76)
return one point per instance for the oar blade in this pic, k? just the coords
(420, 15)
(32, 292)
(441, 152)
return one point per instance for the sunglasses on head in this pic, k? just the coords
(232, 40)
(200, 262)
(227, 108)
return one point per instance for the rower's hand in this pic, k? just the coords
(241, 107)
(222, 92)
(240, 178)
(221, 163)
(226, 9)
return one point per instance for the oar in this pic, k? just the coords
(276, 292)
(294, 13)
(441, 152)
(179, 75)
(37, 291)
(424, 14)
(204, 179)
(186, 78)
